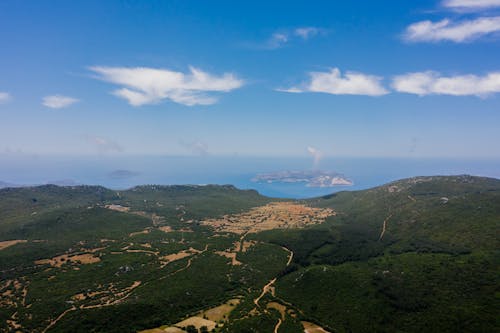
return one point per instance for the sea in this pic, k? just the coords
(122, 172)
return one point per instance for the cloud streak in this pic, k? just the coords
(446, 30)
(4, 97)
(471, 4)
(283, 37)
(333, 82)
(432, 83)
(277, 40)
(307, 32)
(143, 85)
(58, 101)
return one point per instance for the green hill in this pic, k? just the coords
(418, 254)
(433, 267)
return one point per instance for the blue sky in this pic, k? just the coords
(257, 78)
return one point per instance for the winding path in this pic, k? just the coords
(267, 287)
(277, 327)
(384, 226)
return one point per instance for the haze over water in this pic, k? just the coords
(121, 172)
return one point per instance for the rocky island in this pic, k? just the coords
(312, 178)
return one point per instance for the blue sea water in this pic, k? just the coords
(120, 172)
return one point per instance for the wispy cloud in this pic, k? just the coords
(104, 145)
(58, 101)
(143, 85)
(333, 82)
(4, 97)
(308, 32)
(471, 4)
(283, 37)
(432, 83)
(316, 154)
(277, 40)
(446, 30)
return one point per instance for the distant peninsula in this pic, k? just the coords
(312, 178)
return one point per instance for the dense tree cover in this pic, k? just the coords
(433, 269)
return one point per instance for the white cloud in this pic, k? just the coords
(4, 97)
(463, 31)
(277, 40)
(142, 85)
(58, 101)
(316, 154)
(432, 83)
(307, 32)
(471, 4)
(285, 36)
(104, 145)
(332, 82)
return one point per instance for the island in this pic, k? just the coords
(312, 178)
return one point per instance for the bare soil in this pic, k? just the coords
(118, 208)
(85, 258)
(6, 244)
(230, 255)
(313, 328)
(197, 322)
(271, 216)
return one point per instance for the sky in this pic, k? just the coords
(250, 78)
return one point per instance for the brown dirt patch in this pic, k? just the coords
(165, 228)
(157, 330)
(6, 244)
(145, 231)
(197, 322)
(271, 216)
(58, 261)
(207, 318)
(179, 255)
(230, 255)
(220, 312)
(246, 245)
(118, 208)
(312, 328)
(143, 251)
(277, 306)
(105, 240)
(173, 330)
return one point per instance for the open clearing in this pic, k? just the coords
(58, 261)
(271, 216)
(118, 208)
(197, 322)
(208, 318)
(230, 255)
(6, 244)
(220, 312)
(312, 328)
(179, 255)
(165, 228)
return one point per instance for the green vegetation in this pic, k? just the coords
(432, 268)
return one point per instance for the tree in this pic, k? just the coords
(191, 329)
